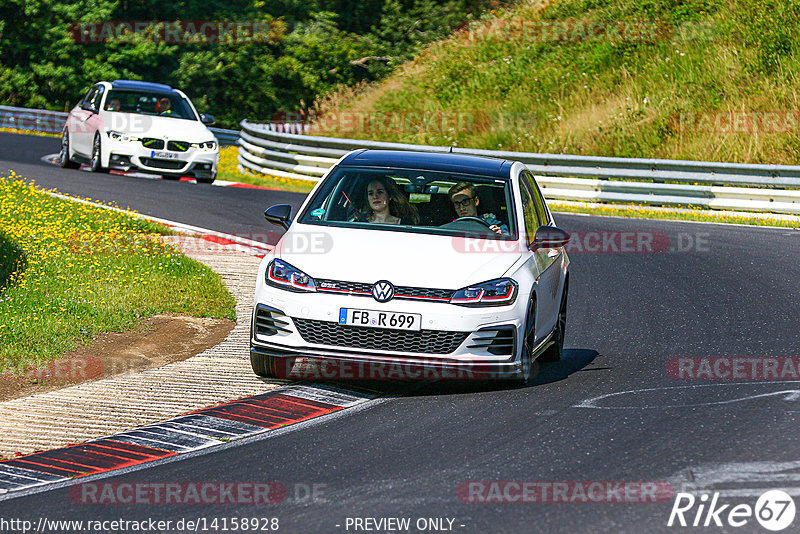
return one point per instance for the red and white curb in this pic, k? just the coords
(191, 432)
(53, 159)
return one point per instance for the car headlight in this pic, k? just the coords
(119, 136)
(206, 145)
(499, 292)
(281, 274)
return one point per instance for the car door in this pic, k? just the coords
(548, 274)
(81, 133)
(94, 123)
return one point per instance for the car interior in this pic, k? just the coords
(429, 197)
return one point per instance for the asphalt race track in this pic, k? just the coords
(616, 409)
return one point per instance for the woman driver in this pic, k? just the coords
(384, 203)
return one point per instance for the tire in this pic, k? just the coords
(96, 163)
(209, 180)
(555, 351)
(530, 367)
(271, 366)
(65, 161)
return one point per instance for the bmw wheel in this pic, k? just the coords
(95, 163)
(63, 155)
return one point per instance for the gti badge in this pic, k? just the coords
(383, 291)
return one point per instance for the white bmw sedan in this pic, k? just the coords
(414, 265)
(129, 125)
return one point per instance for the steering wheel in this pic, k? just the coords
(474, 219)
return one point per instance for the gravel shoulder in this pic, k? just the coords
(120, 395)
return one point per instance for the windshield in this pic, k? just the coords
(412, 200)
(149, 103)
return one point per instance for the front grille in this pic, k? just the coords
(423, 293)
(163, 163)
(155, 144)
(344, 287)
(424, 341)
(178, 146)
(400, 292)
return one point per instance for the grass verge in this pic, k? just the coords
(29, 132)
(680, 214)
(76, 270)
(227, 169)
(712, 80)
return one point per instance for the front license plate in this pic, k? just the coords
(163, 155)
(380, 319)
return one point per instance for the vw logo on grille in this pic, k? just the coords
(383, 291)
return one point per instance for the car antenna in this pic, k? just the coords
(451, 149)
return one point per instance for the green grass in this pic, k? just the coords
(227, 169)
(29, 132)
(643, 212)
(501, 85)
(73, 271)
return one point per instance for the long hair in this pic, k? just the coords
(398, 204)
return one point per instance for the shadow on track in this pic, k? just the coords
(572, 361)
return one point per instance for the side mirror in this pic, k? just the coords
(208, 120)
(88, 106)
(549, 237)
(280, 215)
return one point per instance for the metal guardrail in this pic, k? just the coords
(226, 137)
(40, 120)
(285, 149)
(732, 186)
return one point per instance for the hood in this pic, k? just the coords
(407, 259)
(158, 127)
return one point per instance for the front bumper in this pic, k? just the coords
(131, 156)
(478, 342)
(357, 366)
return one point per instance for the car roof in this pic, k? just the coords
(142, 86)
(433, 161)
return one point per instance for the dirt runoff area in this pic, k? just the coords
(154, 342)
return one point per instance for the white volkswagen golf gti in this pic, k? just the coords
(129, 125)
(412, 264)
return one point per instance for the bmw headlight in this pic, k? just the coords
(206, 145)
(281, 274)
(499, 292)
(119, 136)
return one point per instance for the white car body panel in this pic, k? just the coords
(406, 259)
(83, 125)
(418, 260)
